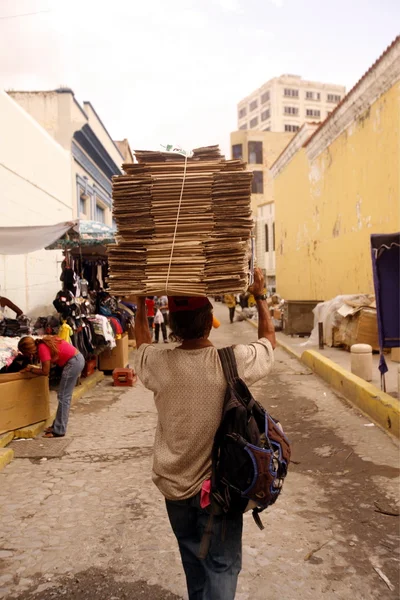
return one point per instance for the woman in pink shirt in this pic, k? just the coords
(52, 349)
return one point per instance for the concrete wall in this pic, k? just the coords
(35, 183)
(59, 113)
(328, 203)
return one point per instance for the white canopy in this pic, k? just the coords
(22, 240)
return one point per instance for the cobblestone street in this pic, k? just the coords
(92, 525)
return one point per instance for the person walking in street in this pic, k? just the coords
(189, 387)
(159, 323)
(230, 302)
(52, 349)
(163, 304)
(150, 308)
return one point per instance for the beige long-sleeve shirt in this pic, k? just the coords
(189, 388)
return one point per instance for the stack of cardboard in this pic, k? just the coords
(359, 325)
(184, 226)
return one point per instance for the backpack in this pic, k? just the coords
(251, 454)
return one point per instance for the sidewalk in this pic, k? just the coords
(343, 358)
(333, 365)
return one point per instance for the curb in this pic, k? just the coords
(6, 438)
(32, 431)
(86, 385)
(6, 456)
(375, 404)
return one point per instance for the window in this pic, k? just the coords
(114, 225)
(313, 113)
(83, 198)
(333, 98)
(265, 114)
(253, 105)
(255, 150)
(100, 214)
(313, 96)
(254, 123)
(244, 126)
(290, 110)
(289, 92)
(292, 127)
(237, 151)
(265, 97)
(242, 113)
(273, 236)
(266, 238)
(257, 186)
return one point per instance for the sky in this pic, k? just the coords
(173, 71)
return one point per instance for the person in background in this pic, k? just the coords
(244, 300)
(159, 322)
(189, 388)
(163, 304)
(52, 349)
(150, 304)
(230, 302)
(6, 303)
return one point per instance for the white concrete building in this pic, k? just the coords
(35, 189)
(80, 131)
(286, 102)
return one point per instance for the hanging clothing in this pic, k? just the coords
(65, 332)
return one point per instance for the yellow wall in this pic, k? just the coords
(326, 209)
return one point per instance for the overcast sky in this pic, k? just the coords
(172, 71)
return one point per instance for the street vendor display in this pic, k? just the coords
(184, 225)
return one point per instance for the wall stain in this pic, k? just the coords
(336, 227)
(364, 117)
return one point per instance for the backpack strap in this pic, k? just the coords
(228, 362)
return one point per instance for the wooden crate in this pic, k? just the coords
(24, 400)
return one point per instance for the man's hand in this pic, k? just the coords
(265, 326)
(258, 287)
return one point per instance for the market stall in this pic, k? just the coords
(86, 315)
(100, 324)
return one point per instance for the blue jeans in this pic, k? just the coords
(214, 578)
(71, 371)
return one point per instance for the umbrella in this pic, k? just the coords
(84, 233)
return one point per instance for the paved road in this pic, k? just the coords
(91, 525)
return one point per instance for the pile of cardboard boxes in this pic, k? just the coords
(359, 325)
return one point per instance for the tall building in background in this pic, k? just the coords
(284, 103)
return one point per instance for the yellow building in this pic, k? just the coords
(339, 185)
(259, 149)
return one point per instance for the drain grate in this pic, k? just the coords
(40, 447)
